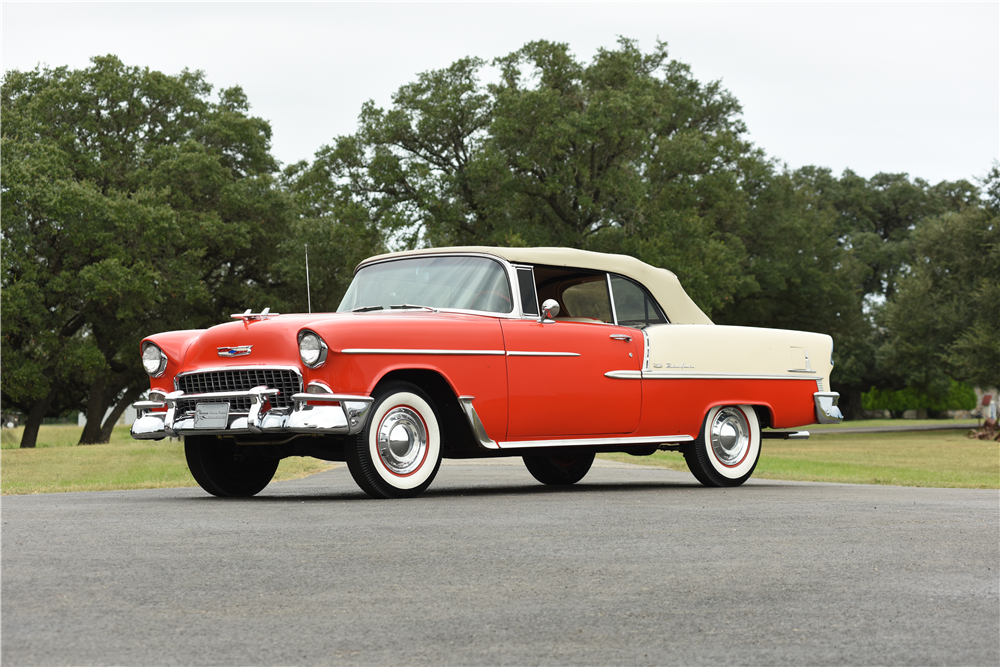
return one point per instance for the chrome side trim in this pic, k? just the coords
(476, 424)
(525, 353)
(598, 442)
(827, 411)
(624, 375)
(471, 353)
(654, 375)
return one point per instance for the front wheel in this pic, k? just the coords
(398, 453)
(728, 447)
(559, 469)
(225, 470)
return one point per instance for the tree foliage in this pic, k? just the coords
(958, 396)
(626, 154)
(135, 201)
(630, 154)
(132, 203)
(944, 323)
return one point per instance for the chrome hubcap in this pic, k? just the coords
(730, 435)
(402, 440)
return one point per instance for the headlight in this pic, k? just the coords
(153, 360)
(312, 349)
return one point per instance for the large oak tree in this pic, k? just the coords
(133, 202)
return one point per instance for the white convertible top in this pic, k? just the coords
(662, 284)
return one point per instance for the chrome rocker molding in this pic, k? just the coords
(485, 442)
(347, 418)
(827, 411)
(469, 353)
(599, 442)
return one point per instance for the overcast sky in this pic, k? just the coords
(894, 87)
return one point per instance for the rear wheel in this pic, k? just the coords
(728, 447)
(399, 452)
(225, 470)
(559, 469)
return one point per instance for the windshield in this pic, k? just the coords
(465, 283)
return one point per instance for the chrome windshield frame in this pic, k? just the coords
(509, 272)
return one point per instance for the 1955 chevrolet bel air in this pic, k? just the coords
(550, 354)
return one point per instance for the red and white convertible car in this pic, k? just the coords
(549, 354)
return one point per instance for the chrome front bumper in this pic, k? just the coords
(827, 411)
(346, 415)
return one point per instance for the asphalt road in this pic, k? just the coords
(633, 566)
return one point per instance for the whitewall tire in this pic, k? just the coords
(728, 447)
(398, 453)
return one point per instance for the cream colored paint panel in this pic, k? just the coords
(798, 359)
(695, 350)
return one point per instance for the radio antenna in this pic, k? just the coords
(308, 288)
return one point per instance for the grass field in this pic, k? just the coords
(62, 435)
(888, 422)
(924, 458)
(56, 465)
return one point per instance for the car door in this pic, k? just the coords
(572, 376)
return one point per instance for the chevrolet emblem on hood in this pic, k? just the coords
(234, 351)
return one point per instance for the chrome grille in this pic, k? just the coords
(288, 382)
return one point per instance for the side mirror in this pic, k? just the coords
(550, 308)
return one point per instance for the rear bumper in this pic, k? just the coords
(335, 414)
(827, 411)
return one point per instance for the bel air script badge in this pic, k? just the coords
(236, 351)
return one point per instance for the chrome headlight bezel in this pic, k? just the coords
(161, 361)
(322, 352)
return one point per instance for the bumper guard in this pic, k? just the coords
(827, 411)
(348, 417)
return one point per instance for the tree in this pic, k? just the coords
(897, 401)
(131, 203)
(944, 322)
(825, 253)
(626, 154)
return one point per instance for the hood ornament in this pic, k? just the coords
(250, 316)
(234, 350)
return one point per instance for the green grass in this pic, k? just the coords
(58, 435)
(944, 459)
(57, 465)
(924, 458)
(887, 422)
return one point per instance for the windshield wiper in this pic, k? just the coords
(365, 309)
(410, 305)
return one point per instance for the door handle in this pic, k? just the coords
(624, 337)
